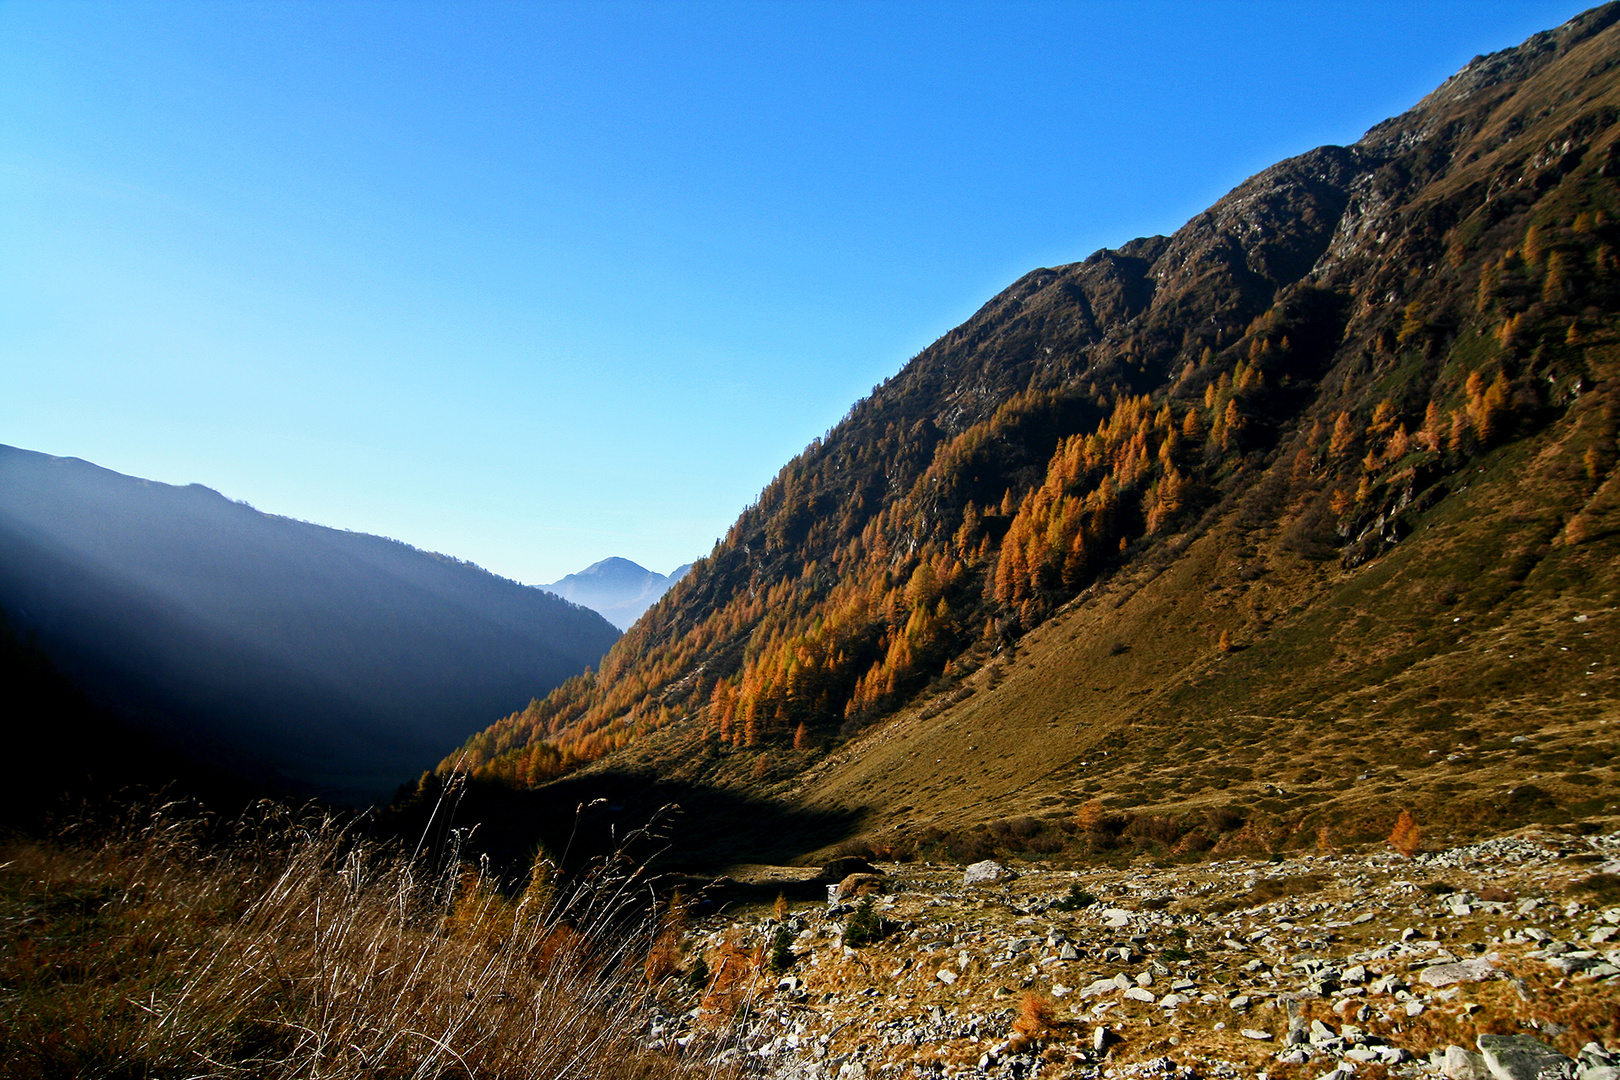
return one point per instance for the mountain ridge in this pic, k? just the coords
(328, 659)
(1310, 370)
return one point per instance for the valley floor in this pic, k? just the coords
(1330, 964)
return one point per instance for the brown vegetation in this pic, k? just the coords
(1036, 1015)
(304, 950)
(1406, 836)
(999, 587)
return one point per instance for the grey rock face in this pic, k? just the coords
(1460, 1064)
(1465, 971)
(1519, 1057)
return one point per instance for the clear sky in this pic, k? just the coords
(534, 284)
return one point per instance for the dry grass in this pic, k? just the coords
(734, 982)
(1036, 1015)
(304, 950)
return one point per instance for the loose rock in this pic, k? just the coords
(1519, 1057)
(987, 872)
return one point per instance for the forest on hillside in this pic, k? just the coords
(1317, 353)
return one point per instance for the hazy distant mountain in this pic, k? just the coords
(331, 661)
(617, 588)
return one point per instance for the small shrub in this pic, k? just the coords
(970, 847)
(1035, 1015)
(731, 985)
(1150, 829)
(855, 849)
(1225, 818)
(782, 958)
(1406, 836)
(1078, 898)
(663, 959)
(864, 926)
(1269, 889)
(1095, 820)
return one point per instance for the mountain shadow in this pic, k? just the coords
(668, 826)
(326, 662)
(79, 758)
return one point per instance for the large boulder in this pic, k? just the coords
(1466, 971)
(1519, 1057)
(1460, 1064)
(859, 885)
(987, 872)
(839, 869)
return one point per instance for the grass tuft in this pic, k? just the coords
(301, 948)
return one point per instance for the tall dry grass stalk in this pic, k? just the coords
(305, 950)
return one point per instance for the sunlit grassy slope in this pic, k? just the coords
(1297, 509)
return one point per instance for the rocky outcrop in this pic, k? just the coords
(1326, 979)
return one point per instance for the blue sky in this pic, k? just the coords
(534, 284)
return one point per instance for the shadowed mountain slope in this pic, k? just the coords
(1236, 515)
(334, 662)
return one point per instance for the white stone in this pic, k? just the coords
(1099, 986)
(1519, 1057)
(1466, 971)
(987, 872)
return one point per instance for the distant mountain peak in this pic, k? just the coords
(613, 566)
(616, 588)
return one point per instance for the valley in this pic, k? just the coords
(1199, 663)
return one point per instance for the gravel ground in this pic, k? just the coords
(1462, 963)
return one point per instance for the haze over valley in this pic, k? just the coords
(323, 661)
